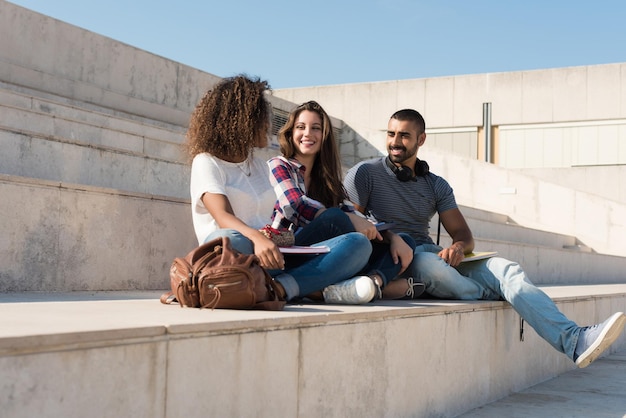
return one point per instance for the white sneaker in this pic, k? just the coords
(593, 340)
(354, 291)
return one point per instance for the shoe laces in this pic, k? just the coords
(379, 290)
(589, 328)
(410, 291)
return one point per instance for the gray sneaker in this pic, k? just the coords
(593, 340)
(354, 291)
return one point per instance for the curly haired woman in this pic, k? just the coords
(231, 194)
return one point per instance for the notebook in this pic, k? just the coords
(479, 256)
(299, 249)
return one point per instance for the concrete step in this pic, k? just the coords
(55, 160)
(492, 226)
(66, 237)
(484, 215)
(128, 355)
(53, 139)
(47, 115)
(168, 98)
(517, 233)
(548, 258)
(555, 265)
(559, 266)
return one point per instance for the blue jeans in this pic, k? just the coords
(496, 279)
(381, 262)
(305, 274)
(334, 222)
(329, 224)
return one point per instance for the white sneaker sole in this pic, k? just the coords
(609, 334)
(355, 291)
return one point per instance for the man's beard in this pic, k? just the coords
(400, 158)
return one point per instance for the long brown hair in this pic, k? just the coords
(232, 118)
(326, 186)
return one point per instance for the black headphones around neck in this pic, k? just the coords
(404, 173)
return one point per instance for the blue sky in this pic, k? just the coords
(298, 43)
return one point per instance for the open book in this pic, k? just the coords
(479, 255)
(298, 249)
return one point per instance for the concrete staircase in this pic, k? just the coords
(94, 207)
(87, 186)
(64, 160)
(95, 199)
(50, 137)
(548, 258)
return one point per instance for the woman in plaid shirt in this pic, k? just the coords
(312, 201)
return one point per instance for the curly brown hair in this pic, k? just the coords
(231, 119)
(326, 185)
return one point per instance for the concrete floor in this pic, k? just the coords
(598, 390)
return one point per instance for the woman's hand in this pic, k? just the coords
(268, 253)
(400, 251)
(364, 226)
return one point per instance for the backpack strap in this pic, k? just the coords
(168, 298)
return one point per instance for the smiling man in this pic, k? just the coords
(400, 188)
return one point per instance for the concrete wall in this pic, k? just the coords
(558, 117)
(545, 118)
(605, 181)
(37, 51)
(64, 237)
(533, 202)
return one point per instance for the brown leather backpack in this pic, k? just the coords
(215, 275)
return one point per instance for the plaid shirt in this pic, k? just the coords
(293, 206)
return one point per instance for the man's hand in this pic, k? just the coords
(453, 255)
(462, 239)
(400, 252)
(365, 227)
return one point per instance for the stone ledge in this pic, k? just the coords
(42, 321)
(127, 354)
(77, 187)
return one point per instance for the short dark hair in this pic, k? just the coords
(411, 115)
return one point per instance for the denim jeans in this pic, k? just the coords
(305, 274)
(334, 222)
(329, 224)
(348, 255)
(496, 279)
(381, 262)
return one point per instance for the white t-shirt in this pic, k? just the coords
(246, 185)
